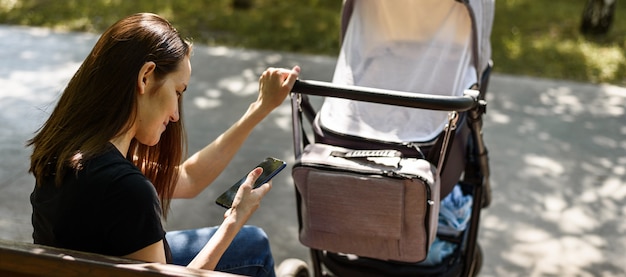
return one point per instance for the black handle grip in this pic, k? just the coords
(391, 97)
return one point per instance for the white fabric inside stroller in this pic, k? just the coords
(406, 45)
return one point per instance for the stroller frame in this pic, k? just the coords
(467, 260)
(476, 174)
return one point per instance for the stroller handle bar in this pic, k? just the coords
(391, 97)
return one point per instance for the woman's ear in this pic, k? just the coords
(145, 77)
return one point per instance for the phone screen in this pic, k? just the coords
(271, 167)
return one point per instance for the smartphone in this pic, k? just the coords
(271, 166)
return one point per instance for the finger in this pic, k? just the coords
(252, 177)
(267, 73)
(228, 212)
(260, 192)
(291, 76)
(264, 189)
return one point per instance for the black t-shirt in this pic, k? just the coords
(109, 207)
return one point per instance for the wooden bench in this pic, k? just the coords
(27, 259)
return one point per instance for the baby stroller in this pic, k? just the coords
(409, 85)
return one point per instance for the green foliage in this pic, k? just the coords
(529, 37)
(307, 26)
(542, 38)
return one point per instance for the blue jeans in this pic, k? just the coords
(249, 254)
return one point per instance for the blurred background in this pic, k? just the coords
(532, 38)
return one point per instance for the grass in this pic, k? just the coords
(309, 27)
(529, 37)
(542, 38)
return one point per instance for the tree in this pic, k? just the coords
(597, 17)
(242, 4)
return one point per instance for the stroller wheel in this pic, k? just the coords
(292, 268)
(477, 263)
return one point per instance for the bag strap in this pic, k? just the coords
(448, 137)
(300, 106)
(296, 122)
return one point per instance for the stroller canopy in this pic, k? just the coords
(427, 46)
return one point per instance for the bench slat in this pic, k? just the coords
(27, 259)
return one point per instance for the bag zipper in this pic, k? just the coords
(386, 173)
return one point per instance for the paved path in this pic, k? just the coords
(558, 153)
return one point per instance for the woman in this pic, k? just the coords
(107, 161)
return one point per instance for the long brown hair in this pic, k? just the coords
(100, 103)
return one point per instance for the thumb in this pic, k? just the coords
(293, 76)
(253, 176)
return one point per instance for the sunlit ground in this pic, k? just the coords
(559, 179)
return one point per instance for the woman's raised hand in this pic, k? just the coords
(275, 84)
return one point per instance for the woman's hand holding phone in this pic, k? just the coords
(248, 199)
(270, 167)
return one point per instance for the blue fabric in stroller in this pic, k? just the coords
(432, 47)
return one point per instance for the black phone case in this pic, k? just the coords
(271, 166)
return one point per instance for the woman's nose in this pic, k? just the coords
(175, 116)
